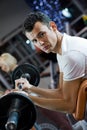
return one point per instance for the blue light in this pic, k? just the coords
(37, 7)
(41, 3)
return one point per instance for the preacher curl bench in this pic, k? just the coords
(80, 111)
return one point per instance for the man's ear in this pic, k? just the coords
(53, 25)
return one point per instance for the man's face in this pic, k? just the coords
(43, 37)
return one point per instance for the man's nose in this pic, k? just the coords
(41, 42)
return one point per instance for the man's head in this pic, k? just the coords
(39, 29)
(34, 17)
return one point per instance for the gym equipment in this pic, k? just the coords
(17, 111)
(28, 71)
(80, 111)
(48, 126)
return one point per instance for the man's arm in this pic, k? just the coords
(66, 103)
(47, 93)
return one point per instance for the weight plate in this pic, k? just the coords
(27, 110)
(31, 70)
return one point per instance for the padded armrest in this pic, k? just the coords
(79, 113)
(33, 128)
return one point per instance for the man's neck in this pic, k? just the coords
(58, 48)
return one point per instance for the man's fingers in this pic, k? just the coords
(24, 83)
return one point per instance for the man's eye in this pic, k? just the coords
(34, 41)
(41, 35)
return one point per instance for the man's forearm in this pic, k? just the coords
(47, 93)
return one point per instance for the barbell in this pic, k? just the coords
(17, 111)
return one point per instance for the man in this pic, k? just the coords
(72, 59)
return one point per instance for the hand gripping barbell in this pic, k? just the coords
(17, 111)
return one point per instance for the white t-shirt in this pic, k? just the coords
(73, 61)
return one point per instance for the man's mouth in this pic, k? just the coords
(46, 47)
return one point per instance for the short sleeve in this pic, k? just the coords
(73, 65)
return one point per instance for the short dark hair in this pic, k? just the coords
(34, 17)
